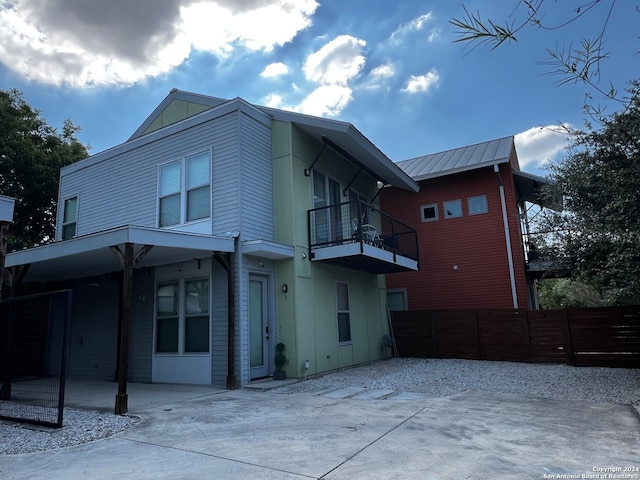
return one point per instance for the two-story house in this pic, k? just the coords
(217, 230)
(472, 216)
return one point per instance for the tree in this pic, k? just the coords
(597, 237)
(572, 64)
(31, 155)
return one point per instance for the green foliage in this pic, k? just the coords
(566, 293)
(598, 235)
(280, 359)
(31, 155)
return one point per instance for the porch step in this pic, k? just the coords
(266, 384)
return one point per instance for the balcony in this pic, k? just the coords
(356, 235)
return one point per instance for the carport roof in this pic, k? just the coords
(91, 254)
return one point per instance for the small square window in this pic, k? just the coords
(452, 208)
(477, 205)
(429, 213)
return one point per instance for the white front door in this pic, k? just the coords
(259, 344)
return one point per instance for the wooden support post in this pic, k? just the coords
(126, 260)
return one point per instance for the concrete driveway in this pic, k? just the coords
(247, 434)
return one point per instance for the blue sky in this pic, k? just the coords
(390, 68)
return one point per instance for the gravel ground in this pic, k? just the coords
(78, 427)
(435, 377)
(431, 377)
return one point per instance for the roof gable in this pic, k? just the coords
(471, 157)
(176, 106)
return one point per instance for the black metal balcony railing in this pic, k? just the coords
(358, 222)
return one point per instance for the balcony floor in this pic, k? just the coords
(370, 259)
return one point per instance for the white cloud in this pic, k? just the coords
(337, 62)
(378, 76)
(539, 145)
(274, 70)
(273, 100)
(333, 67)
(413, 25)
(422, 83)
(94, 42)
(383, 71)
(327, 100)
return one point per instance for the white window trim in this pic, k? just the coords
(427, 205)
(184, 190)
(403, 291)
(182, 316)
(477, 197)
(63, 223)
(444, 209)
(338, 311)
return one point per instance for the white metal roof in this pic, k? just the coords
(341, 133)
(458, 160)
(91, 255)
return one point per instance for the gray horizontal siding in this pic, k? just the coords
(123, 190)
(94, 328)
(219, 321)
(256, 178)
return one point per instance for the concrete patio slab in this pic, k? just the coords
(254, 434)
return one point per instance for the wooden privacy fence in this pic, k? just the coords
(584, 337)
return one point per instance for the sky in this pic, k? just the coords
(392, 69)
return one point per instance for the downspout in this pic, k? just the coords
(507, 236)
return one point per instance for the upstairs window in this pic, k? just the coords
(429, 213)
(70, 218)
(452, 208)
(477, 205)
(184, 190)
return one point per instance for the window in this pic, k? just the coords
(397, 300)
(429, 213)
(70, 218)
(182, 317)
(184, 193)
(477, 205)
(327, 216)
(343, 312)
(167, 331)
(452, 208)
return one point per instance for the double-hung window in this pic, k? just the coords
(70, 218)
(182, 316)
(184, 190)
(343, 312)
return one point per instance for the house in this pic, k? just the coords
(472, 218)
(218, 229)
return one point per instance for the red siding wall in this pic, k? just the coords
(476, 244)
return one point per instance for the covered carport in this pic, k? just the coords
(123, 250)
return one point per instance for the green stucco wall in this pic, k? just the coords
(307, 320)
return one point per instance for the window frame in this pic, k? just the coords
(182, 316)
(184, 190)
(67, 223)
(343, 311)
(405, 300)
(436, 211)
(474, 198)
(457, 201)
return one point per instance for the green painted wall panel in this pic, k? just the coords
(307, 314)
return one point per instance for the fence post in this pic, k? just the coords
(569, 353)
